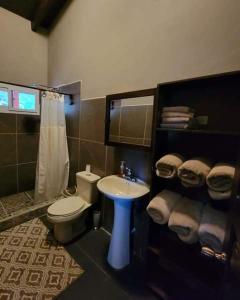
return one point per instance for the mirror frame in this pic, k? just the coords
(126, 95)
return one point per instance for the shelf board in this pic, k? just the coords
(200, 131)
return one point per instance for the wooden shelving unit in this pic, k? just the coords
(176, 270)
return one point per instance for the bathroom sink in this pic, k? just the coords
(122, 192)
(117, 188)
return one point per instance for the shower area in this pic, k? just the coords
(19, 156)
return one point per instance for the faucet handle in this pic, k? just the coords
(130, 174)
(122, 168)
(129, 171)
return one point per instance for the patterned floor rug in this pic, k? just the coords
(33, 266)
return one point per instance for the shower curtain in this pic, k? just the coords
(53, 160)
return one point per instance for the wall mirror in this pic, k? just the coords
(129, 118)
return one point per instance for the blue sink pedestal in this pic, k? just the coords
(119, 250)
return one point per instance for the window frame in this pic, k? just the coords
(10, 108)
(4, 108)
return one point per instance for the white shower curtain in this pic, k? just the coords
(53, 160)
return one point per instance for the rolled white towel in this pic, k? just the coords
(220, 178)
(175, 120)
(219, 195)
(212, 229)
(185, 219)
(177, 114)
(161, 206)
(184, 109)
(168, 165)
(193, 172)
(175, 126)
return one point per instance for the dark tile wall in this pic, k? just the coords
(72, 114)
(86, 146)
(131, 124)
(19, 140)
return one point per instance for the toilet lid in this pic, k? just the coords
(66, 206)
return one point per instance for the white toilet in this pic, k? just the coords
(68, 215)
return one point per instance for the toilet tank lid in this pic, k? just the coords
(90, 177)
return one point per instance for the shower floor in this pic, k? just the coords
(18, 208)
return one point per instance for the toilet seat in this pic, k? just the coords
(66, 207)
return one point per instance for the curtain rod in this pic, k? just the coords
(35, 88)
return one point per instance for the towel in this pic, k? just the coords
(220, 178)
(193, 172)
(168, 165)
(173, 114)
(179, 123)
(161, 206)
(220, 195)
(185, 220)
(207, 251)
(175, 126)
(185, 109)
(212, 229)
(174, 120)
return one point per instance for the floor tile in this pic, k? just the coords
(3, 213)
(15, 202)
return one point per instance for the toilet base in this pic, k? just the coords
(64, 232)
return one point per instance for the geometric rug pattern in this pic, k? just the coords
(33, 265)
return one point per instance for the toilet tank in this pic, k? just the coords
(87, 186)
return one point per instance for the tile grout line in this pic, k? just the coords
(20, 164)
(145, 125)
(120, 121)
(17, 154)
(102, 196)
(92, 141)
(4, 209)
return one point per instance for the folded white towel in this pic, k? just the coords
(185, 109)
(193, 172)
(212, 229)
(161, 206)
(219, 195)
(207, 251)
(175, 126)
(168, 165)
(174, 120)
(185, 219)
(172, 114)
(220, 178)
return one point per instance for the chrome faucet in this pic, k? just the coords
(126, 172)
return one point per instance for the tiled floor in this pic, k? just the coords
(99, 281)
(18, 208)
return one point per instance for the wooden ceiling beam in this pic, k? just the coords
(46, 13)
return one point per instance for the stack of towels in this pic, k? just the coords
(198, 171)
(191, 220)
(220, 181)
(192, 172)
(178, 117)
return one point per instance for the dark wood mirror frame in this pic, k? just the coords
(127, 95)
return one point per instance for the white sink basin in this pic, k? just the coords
(123, 192)
(117, 188)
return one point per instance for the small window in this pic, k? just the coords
(24, 101)
(14, 99)
(4, 99)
